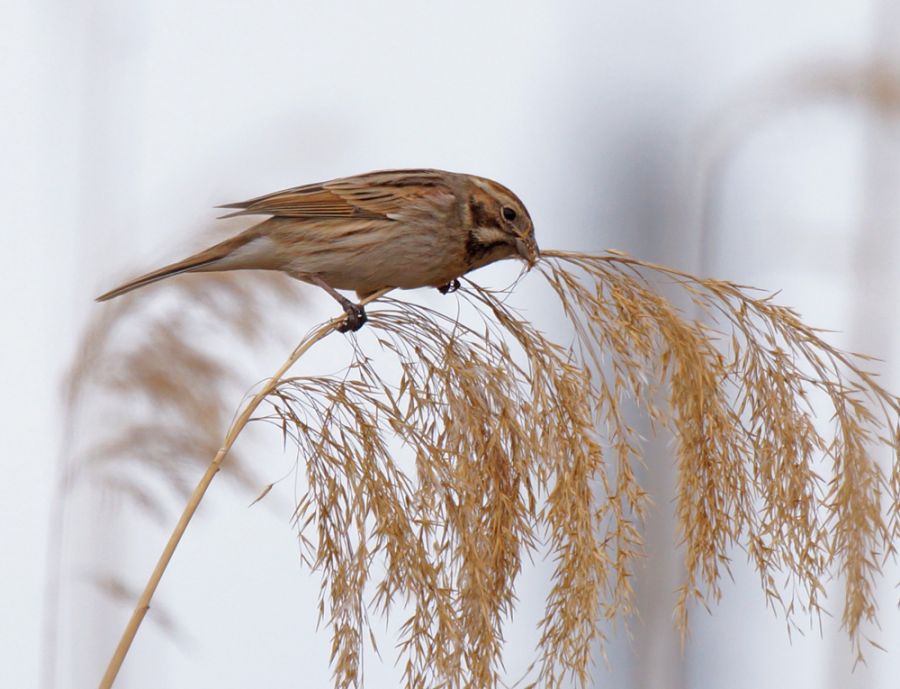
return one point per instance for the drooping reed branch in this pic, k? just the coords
(521, 443)
(432, 471)
(751, 457)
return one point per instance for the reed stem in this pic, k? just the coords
(143, 603)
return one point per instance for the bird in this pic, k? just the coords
(388, 229)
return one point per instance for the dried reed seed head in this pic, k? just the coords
(518, 444)
(509, 430)
(149, 368)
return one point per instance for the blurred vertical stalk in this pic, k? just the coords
(112, 53)
(873, 259)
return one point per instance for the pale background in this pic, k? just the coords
(731, 138)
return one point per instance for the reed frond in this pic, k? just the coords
(153, 370)
(434, 467)
(755, 469)
(521, 444)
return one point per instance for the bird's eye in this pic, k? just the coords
(509, 213)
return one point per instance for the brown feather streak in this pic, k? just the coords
(475, 249)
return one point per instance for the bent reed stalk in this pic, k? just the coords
(143, 603)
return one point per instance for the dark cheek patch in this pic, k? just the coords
(481, 216)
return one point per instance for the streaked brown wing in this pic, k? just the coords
(387, 194)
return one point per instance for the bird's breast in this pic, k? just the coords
(368, 255)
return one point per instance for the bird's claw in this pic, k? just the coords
(356, 318)
(450, 287)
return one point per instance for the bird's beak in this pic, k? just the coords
(528, 250)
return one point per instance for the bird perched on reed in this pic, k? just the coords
(389, 229)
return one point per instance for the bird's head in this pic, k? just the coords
(499, 224)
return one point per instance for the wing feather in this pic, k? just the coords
(383, 195)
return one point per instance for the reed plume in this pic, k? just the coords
(430, 480)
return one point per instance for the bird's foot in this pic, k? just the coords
(451, 286)
(356, 318)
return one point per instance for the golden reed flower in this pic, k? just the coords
(394, 228)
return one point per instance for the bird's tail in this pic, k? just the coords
(218, 257)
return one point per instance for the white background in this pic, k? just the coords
(728, 138)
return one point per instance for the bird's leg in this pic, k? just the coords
(451, 286)
(356, 314)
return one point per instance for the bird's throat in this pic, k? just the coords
(480, 252)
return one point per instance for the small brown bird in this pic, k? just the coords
(389, 229)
